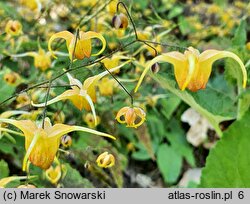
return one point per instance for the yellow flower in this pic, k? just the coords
(192, 69)
(112, 7)
(81, 95)
(13, 28)
(105, 160)
(90, 120)
(32, 4)
(41, 58)
(11, 78)
(113, 62)
(106, 86)
(133, 117)
(83, 46)
(54, 174)
(42, 143)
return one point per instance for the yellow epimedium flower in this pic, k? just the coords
(54, 174)
(192, 69)
(89, 119)
(83, 47)
(106, 86)
(42, 59)
(66, 141)
(132, 116)
(114, 61)
(112, 7)
(42, 143)
(81, 95)
(13, 28)
(12, 78)
(32, 4)
(8, 114)
(105, 160)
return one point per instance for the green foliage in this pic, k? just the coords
(4, 169)
(73, 179)
(227, 165)
(169, 163)
(240, 37)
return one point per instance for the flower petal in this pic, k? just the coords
(90, 35)
(28, 127)
(65, 95)
(208, 57)
(75, 83)
(59, 130)
(68, 36)
(175, 58)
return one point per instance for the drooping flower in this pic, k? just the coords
(105, 160)
(12, 78)
(13, 28)
(42, 59)
(132, 116)
(106, 86)
(42, 143)
(83, 47)
(192, 69)
(54, 174)
(120, 21)
(89, 119)
(81, 95)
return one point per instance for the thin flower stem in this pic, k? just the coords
(123, 87)
(45, 106)
(130, 18)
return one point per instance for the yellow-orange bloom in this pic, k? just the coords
(133, 117)
(13, 28)
(105, 160)
(11, 78)
(81, 95)
(83, 46)
(42, 59)
(192, 69)
(54, 174)
(90, 120)
(42, 143)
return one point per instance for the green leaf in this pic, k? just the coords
(169, 163)
(228, 163)
(240, 36)
(187, 97)
(175, 11)
(169, 105)
(4, 169)
(73, 179)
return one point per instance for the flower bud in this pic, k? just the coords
(105, 160)
(120, 21)
(66, 141)
(11, 78)
(155, 68)
(13, 28)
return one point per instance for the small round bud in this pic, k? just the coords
(155, 68)
(120, 21)
(66, 141)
